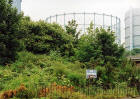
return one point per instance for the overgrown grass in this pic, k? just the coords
(32, 69)
(37, 71)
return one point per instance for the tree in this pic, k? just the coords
(111, 51)
(87, 49)
(71, 29)
(41, 38)
(9, 27)
(99, 46)
(90, 29)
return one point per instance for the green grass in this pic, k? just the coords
(35, 71)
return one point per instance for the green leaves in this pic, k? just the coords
(41, 37)
(9, 32)
(99, 44)
(111, 51)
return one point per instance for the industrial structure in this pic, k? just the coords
(84, 19)
(17, 4)
(132, 29)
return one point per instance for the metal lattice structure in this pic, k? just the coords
(84, 19)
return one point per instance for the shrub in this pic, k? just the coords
(41, 38)
(76, 79)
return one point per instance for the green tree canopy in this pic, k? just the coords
(9, 32)
(41, 37)
(110, 50)
(99, 45)
(72, 29)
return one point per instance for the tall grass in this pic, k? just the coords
(37, 71)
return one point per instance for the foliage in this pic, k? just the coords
(76, 79)
(35, 71)
(135, 51)
(90, 29)
(9, 32)
(110, 51)
(99, 45)
(41, 38)
(71, 29)
(86, 48)
(53, 54)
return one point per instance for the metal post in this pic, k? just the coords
(120, 31)
(84, 22)
(117, 38)
(46, 19)
(111, 23)
(116, 34)
(94, 21)
(50, 19)
(103, 20)
(74, 16)
(64, 18)
(56, 18)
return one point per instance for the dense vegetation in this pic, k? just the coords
(134, 52)
(9, 31)
(39, 54)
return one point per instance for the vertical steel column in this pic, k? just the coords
(56, 18)
(103, 20)
(84, 22)
(94, 21)
(74, 16)
(116, 30)
(111, 23)
(114, 24)
(64, 18)
(119, 31)
(50, 19)
(46, 19)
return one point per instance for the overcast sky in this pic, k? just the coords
(40, 9)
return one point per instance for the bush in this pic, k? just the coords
(135, 51)
(76, 79)
(99, 46)
(42, 38)
(87, 49)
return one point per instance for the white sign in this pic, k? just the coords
(90, 74)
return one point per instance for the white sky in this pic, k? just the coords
(40, 9)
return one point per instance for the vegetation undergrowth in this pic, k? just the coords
(46, 60)
(41, 71)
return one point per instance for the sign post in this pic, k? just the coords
(90, 74)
